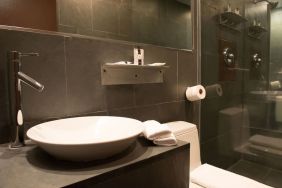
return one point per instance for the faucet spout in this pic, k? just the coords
(30, 81)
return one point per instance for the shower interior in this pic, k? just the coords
(242, 129)
(273, 4)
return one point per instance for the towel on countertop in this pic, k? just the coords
(167, 140)
(153, 129)
(213, 177)
(160, 134)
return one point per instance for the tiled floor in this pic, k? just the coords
(258, 172)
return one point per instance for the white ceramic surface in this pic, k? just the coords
(86, 138)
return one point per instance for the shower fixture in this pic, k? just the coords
(273, 4)
(228, 57)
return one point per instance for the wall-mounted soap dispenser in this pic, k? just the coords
(138, 56)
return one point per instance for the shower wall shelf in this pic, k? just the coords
(231, 20)
(256, 31)
(132, 74)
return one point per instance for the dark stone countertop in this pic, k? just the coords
(31, 167)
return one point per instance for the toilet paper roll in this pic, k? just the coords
(195, 93)
(214, 90)
(275, 85)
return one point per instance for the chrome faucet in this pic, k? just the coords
(16, 77)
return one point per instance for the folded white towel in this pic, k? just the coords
(213, 177)
(166, 140)
(160, 134)
(153, 129)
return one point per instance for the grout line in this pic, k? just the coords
(66, 78)
(134, 95)
(92, 16)
(118, 12)
(177, 75)
(58, 13)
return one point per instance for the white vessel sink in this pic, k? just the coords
(86, 138)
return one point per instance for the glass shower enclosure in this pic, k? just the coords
(241, 117)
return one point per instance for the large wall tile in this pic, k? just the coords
(187, 72)
(77, 14)
(85, 93)
(175, 111)
(119, 96)
(164, 92)
(141, 113)
(106, 15)
(48, 69)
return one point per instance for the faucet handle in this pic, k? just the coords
(16, 55)
(28, 54)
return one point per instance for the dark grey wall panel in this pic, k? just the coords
(147, 94)
(70, 69)
(158, 22)
(48, 68)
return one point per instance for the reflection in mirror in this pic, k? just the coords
(276, 42)
(36, 14)
(159, 22)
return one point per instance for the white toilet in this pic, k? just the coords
(204, 175)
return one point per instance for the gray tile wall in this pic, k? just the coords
(159, 22)
(69, 67)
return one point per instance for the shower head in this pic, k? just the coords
(273, 4)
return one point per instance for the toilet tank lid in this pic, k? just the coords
(181, 127)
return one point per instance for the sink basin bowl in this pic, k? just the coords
(86, 138)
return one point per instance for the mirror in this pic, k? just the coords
(165, 23)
